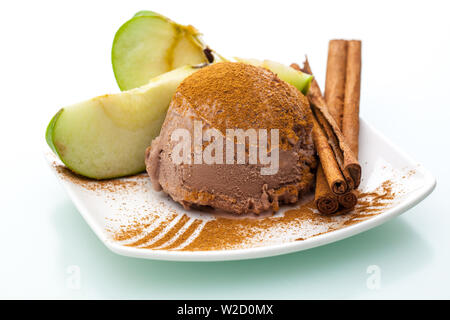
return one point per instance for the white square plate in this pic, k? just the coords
(157, 228)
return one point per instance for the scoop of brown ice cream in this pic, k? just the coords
(235, 96)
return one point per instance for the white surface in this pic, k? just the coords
(57, 53)
(104, 208)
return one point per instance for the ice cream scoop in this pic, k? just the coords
(191, 159)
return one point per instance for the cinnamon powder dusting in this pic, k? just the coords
(109, 185)
(226, 232)
(237, 95)
(216, 231)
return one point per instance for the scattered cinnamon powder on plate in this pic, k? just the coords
(109, 185)
(184, 237)
(225, 232)
(170, 233)
(150, 229)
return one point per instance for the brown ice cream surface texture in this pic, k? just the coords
(229, 95)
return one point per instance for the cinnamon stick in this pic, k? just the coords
(334, 144)
(325, 201)
(350, 120)
(335, 79)
(331, 169)
(348, 200)
(343, 154)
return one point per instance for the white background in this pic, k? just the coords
(55, 53)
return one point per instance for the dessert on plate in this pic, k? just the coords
(231, 95)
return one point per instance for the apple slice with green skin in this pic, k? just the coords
(150, 44)
(106, 137)
(298, 79)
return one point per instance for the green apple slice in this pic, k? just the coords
(150, 44)
(298, 79)
(106, 137)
